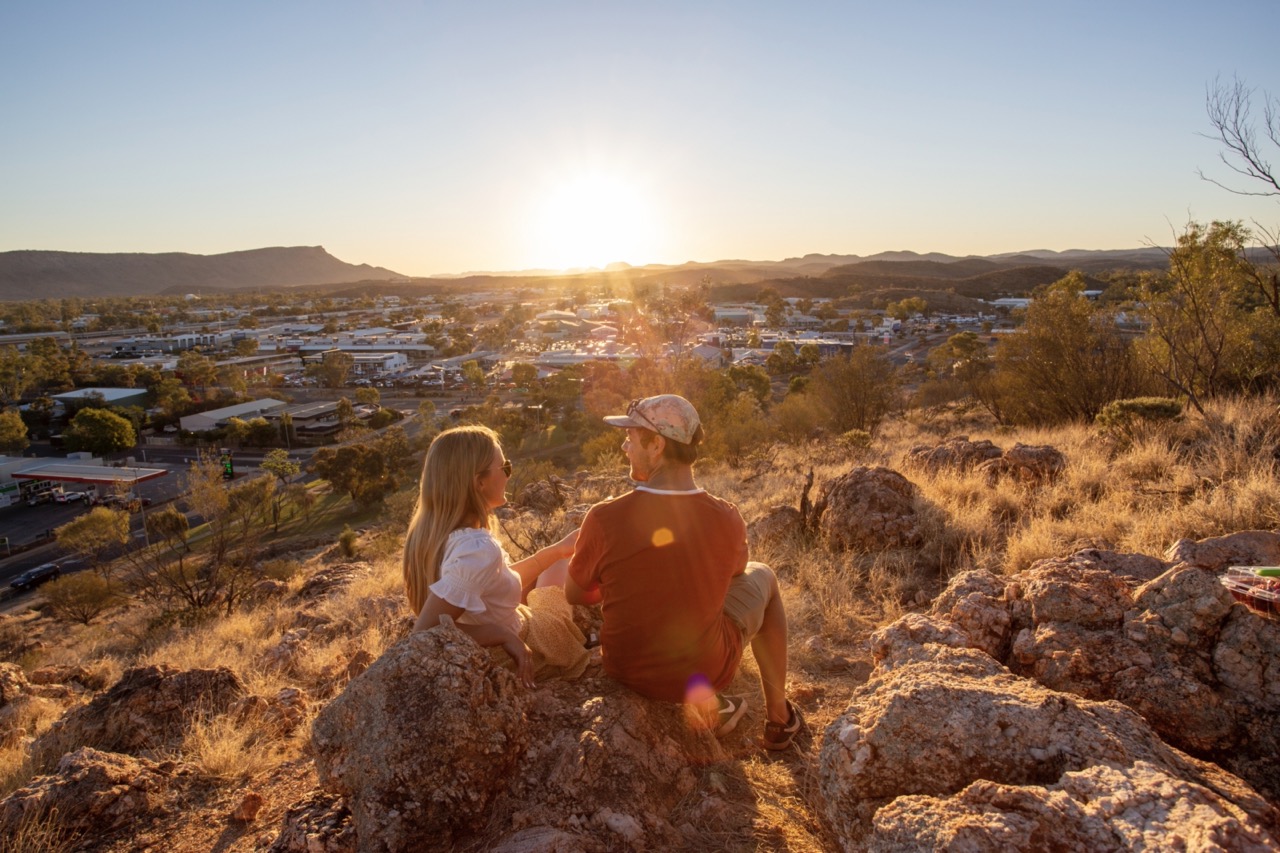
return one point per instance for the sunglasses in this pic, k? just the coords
(633, 412)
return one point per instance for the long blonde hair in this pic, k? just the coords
(448, 498)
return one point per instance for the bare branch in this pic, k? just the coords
(1229, 111)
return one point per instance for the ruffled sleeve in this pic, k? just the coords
(472, 562)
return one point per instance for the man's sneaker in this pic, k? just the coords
(779, 735)
(730, 709)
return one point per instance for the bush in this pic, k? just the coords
(347, 542)
(280, 570)
(1123, 419)
(80, 597)
(604, 452)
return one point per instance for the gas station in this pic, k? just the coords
(34, 478)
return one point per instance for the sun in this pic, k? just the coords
(595, 219)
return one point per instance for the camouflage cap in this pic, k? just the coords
(669, 415)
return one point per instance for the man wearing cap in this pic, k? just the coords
(668, 563)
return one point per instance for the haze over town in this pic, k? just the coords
(428, 139)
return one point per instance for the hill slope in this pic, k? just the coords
(59, 274)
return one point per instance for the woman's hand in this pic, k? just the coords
(564, 548)
(523, 656)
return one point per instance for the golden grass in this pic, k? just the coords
(232, 750)
(41, 833)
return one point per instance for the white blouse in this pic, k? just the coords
(475, 574)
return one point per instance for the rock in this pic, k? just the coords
(954, 454)
(1141, 807)
(1138, 568)
(1062, 591)
(1034, 465)
(330, 580)
(93, 791)
(149, 708)
(279, 715)
(268, 588)
(13, 683)
(249, 807)
(952, 732)
(359, 663)
(1200, 669)
(545, 496)
(1247, 548)
(422, 742)
(320, 823)
(67, 674)
(868, 508)
(778, 524)
(288, 650)
(976, 603)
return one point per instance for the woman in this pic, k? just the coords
(453, 565)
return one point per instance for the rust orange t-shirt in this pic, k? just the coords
(662, 561)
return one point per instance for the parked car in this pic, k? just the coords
(38, 498)
(69, 497)
(32, 578)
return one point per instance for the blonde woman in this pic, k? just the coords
(454, 566)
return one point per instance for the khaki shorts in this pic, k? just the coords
(747, 598)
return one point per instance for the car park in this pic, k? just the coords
(32, 578)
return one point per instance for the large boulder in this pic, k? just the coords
(1034, 465)
(868, 509)
(1003, 762)
(422, 741)
(149, 709)
(13, 683)
(954, 454)
(94, 791)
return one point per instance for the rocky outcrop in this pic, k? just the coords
(94, 791)
(148, 709)
(954, 454)
(944, 748)
(434, 740)
(330, 580)
(545, 496)
(1200, 669)
(867, 509)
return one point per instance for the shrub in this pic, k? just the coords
(280, 570)
(1123, 419)
(80, 597)
(347, 542)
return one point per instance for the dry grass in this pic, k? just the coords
(1194, 478)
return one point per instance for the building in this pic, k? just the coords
(217, 418)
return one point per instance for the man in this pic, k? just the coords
(668, 562)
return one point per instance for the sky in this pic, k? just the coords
(442, 138)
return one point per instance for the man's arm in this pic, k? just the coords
(578, 595)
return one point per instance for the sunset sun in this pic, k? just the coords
(592, 220)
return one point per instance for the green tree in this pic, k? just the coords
(858, 390)
(368, 396)
(524, 374)
(782, 359)
(13, 431)
(473, 374)
(93, 534)
(1067, 361)
(279, 465)
(246, 347)
(1200, 337)
(80, 597)
(333, 369)
(196, 370)
(100, 432)
(17, 374)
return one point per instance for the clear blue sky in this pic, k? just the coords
(449, 137)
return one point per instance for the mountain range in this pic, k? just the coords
(53, 274)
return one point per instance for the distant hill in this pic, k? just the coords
(26, 274)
